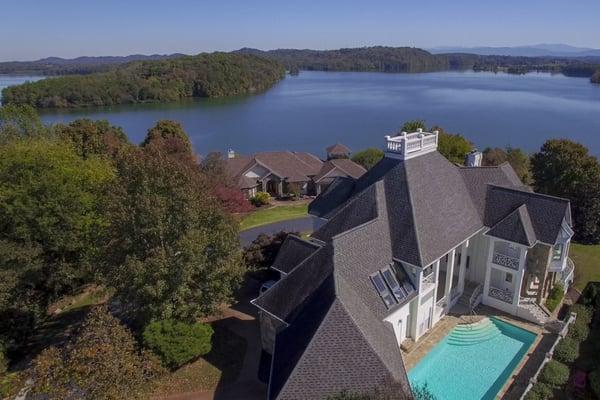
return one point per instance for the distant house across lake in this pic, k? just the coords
(282, 173)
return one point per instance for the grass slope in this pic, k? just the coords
(587, 264)
(273, 214)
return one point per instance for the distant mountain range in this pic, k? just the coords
(537, 50)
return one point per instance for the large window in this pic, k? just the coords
(557, 251)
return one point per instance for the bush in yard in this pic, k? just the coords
(177, 343)
(579, 331)
(567, 350)
(595, 382)
(101, 362)
(584, 313)
(556, 295)
(555, 373)
(3, 360)
(540, 391)
(261, 199)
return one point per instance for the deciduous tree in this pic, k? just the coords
(566, 169)
(368, 157)
(171, 253)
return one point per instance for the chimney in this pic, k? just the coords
(473, 159)
(230, 153)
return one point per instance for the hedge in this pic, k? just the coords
(584, 313)
(555, 373)
(579, 331)
(540, 391)
(567, 350)
(556, 295)
(177, 343)
(260, 199)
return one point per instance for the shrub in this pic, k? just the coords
(567, 350)
(3, 361)
(540, 391)
(595, 382)
(556, 295)
(584, 313)
(177, 343)
(579, 331)
(261, 199)
(555, 373)
(101, 362)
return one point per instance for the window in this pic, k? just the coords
(557, 251)
(508, 277)
(390, 279)
(383, 290)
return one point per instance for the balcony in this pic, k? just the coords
(407, 145)
(504, 295)
(505, 261)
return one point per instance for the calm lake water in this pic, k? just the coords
(316, 109)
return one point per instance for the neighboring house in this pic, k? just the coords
(411, 239)
(290, 172)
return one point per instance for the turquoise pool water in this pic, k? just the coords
(473, 361)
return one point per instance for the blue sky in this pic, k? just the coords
(68, 28)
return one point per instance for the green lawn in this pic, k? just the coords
(273, 214)
(587, 263)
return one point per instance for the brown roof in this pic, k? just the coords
(292, 166)
(344, 166)
(338, 148)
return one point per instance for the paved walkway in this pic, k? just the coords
(302, 224)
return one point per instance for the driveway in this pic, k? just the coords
(303, 224)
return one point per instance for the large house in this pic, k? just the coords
(284, 172)
(413, 238)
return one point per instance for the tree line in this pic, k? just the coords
(561, 168)
(205, 75)
(80, 205)
(408, 59)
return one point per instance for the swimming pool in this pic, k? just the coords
(473, 361)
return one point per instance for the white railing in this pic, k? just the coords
(567, 275)
(475, 297)
(429, 278)
(410, 143)
(504, 295)
(506, 261)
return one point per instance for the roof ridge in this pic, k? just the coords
(521, 212)
(536, 194)
(295, 154)
(413, 216)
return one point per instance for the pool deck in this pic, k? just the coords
(518, 381)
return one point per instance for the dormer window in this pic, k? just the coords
(392, 284)
(383, 290)
(557, 251)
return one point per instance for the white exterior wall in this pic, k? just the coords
(478, 258)
(400, 320)
(256, 172)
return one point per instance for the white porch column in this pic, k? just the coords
(519, 275)
(449, 274)
(280, 188)
(463, 266)
(436, 274)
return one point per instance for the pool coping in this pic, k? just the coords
(443, 327)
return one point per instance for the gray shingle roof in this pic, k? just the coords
(414, 210)
(545, 212)
(516, 227)
(293, 251)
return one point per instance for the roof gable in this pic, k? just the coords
(293, 251)
(516, 227)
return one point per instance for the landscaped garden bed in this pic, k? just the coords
(574, 371)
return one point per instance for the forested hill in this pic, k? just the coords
(408, 59)
(380, 59)
(79, 65)
(204, 75)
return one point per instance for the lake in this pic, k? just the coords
(317, 109)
